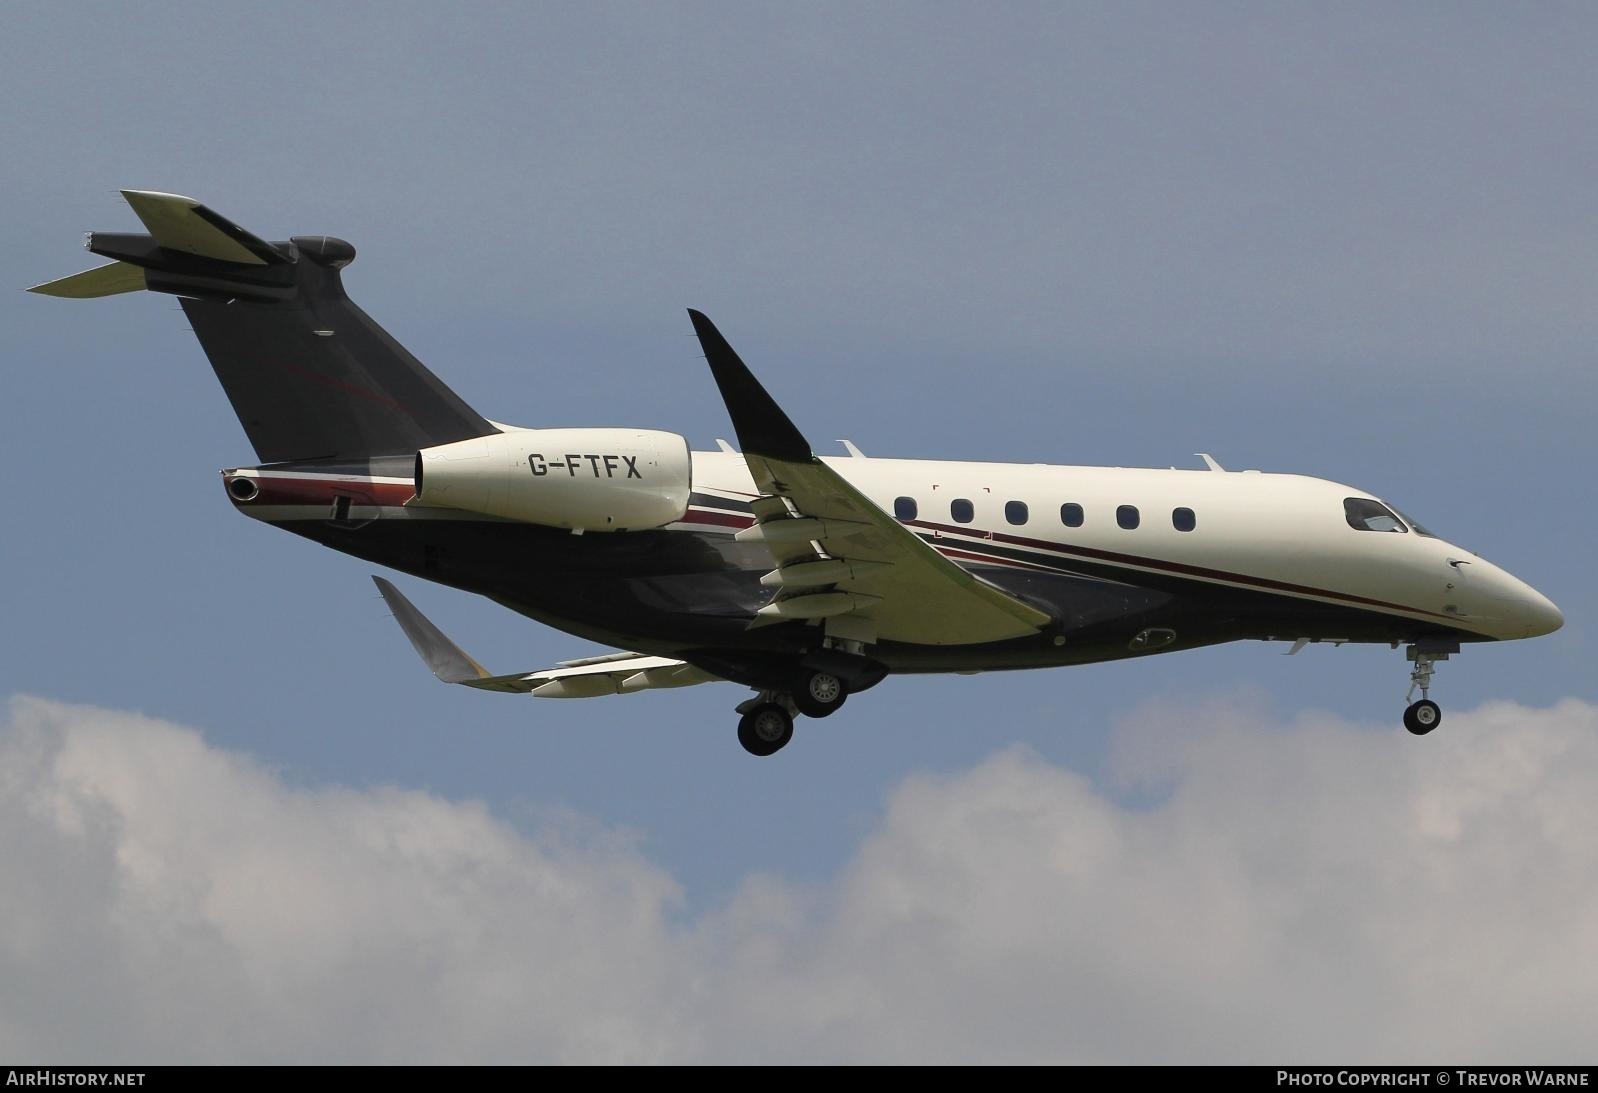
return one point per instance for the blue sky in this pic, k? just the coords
(1355, 242)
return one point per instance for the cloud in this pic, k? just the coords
(1319, 892)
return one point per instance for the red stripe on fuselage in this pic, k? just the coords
(719, 519)
(323, 491)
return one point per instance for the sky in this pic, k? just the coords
(1355, 242)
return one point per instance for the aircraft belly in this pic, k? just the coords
(649, 589)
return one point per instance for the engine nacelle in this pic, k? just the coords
(583, 479)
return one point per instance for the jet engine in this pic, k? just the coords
(582, 479)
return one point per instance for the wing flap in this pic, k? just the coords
(629, 673)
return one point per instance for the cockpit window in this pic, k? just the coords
(1366, 515)
(1416, 528)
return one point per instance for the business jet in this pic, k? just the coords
(805, 578)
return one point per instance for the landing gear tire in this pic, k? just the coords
(765, 729)
(1422, 717)
(820, 694)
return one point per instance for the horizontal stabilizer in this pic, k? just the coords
(183, 224)
(108, 280)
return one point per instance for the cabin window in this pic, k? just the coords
(904, 508)
(1363, 514)
(1015, 512)
(1126, 516)
(1183, 519)
(962, 511)
(1071, 515)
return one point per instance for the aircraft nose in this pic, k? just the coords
(1538, 613)
(1526, 612)
(1516, 609)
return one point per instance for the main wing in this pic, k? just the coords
(613, 673)
(839, 556)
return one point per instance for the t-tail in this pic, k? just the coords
(309, 374)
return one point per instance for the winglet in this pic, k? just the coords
(762, 427)
(447, 660)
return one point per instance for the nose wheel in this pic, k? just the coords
(1422, 717)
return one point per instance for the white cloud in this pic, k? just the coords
(1320, 892)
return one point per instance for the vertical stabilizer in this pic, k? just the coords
(309, 374)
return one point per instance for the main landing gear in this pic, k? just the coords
(767, 723)
(820, 694)
(1424, 716)
(766, 727)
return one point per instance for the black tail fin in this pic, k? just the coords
(309, 374)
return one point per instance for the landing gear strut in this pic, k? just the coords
(1424, 716)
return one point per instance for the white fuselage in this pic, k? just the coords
(1282, 532)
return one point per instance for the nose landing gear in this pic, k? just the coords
(1424, 716)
